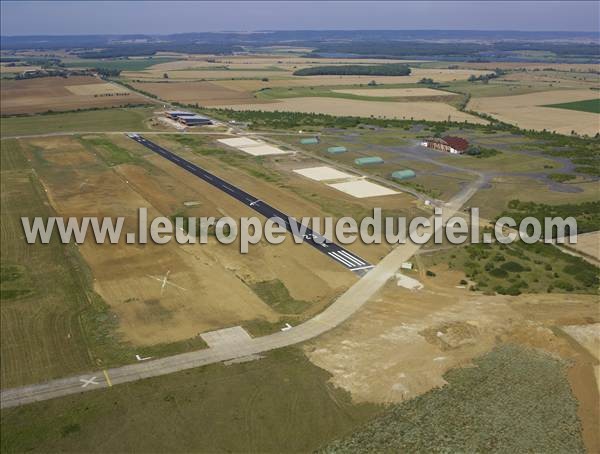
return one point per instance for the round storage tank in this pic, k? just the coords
(403, 174)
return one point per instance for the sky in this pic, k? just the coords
(165, 17)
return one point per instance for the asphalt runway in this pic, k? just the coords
(334, 251)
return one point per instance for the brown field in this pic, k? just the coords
(216, 278)
(526, 111)
(17, 69)
(60, 94)
(349, 107)
(203, 93)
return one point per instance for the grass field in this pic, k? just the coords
(588, 105)
(45, 288)
(514, 400)
(281, 402)
(132, 119)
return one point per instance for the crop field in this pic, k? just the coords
(44, 288)
(203, 93)
(588, 105)
(530, 111)
(129, 64)
(347, 107)
(130, 119)
(58, 94)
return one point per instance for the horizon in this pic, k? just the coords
(318, 30)
(64, 18)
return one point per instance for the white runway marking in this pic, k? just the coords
(165, 281)
(340, 259)
(352, 258)
(88, 381)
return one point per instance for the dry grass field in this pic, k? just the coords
(203, 93)
(527, 111)
(587, 244)
(280, 73)
(101, 177)
(421, 110)
(60, 94)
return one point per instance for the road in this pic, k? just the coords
(346, 305)
(332, 250)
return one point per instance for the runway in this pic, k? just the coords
(334, 251)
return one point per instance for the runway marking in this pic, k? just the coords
(107, 378)
(352, 258)
(89, 381)
(339, 254)
(368, 267)
(341, 259)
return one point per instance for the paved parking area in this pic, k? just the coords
(226, 337)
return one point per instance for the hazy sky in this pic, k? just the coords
(123, 17)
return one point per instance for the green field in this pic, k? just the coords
(45, 288)
(128, 119)
(133, 64)
(279, 403)
(512, 269)
(514, 400)
(589, 105)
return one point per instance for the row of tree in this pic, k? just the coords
(394, 69)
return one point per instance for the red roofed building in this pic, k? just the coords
(449, 144)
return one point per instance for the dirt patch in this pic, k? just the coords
(402, 342)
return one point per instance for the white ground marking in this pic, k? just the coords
(251, 146)
(322, 173)
(262, 150)
(287, 327)
(140, 358)
(362, 188)
(165, 281)
(88, 381)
